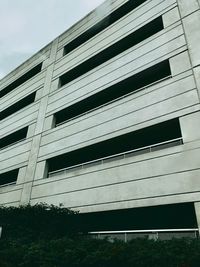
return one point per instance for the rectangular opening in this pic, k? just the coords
(17, 106)
(131, 84)
(127, 42)
(8, 177)
(28, 75)
(163, 132)
(173, 216)
(13, 138)
(103, 24)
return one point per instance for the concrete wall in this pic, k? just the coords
(161, 177)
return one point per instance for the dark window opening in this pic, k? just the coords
(127, 42)
(103, 24)
(162, 132)
(17, 106)
(173, 216)
(8, 177)
(139, 80)
(13, 138)
(28, 75)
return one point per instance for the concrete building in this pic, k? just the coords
(106, 118)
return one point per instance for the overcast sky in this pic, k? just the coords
(28, 25)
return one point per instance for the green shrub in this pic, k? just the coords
(87, 252)
(38, 221)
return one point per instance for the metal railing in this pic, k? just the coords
(134, 152)
(13, 144)
(3, 185)
(114, 100)
(150, 233)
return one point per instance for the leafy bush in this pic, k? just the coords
(87, 252)
(38, 221)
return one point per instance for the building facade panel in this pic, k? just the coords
(88, 21)
(106, 117)
(119, 30)
(109, 75)
(119, 169)
(18, 120)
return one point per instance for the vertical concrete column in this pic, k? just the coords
(190, 125)
(190, 16)
(197, 211)
(32, 162)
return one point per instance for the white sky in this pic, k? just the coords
(28, 25)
